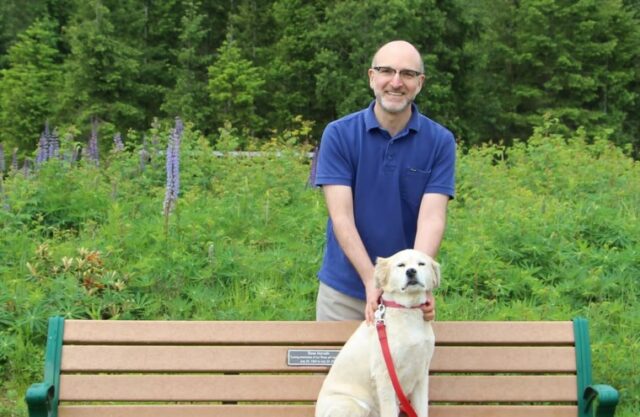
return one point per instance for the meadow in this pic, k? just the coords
(546, 229)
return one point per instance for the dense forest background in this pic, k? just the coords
(495, 69)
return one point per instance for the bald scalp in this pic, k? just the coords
(398, 46)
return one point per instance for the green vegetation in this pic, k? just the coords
(493, 67)
(546, 230)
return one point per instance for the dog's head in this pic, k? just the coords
(407, 271)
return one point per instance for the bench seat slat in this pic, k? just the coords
(300, 332)
(83, 358)
(302, 388)
(300, 411)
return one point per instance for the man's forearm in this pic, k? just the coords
(431, 225)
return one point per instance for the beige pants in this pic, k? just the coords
(333, 305)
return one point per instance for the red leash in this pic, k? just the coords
(405, 404)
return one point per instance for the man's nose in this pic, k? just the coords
(396, 80)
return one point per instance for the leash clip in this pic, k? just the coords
(379, 314)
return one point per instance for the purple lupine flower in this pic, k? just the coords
(2, 165)
(173, 167)
(313, 170)
(93, 143)
(53, 145)
(117, 142)
(43, 148)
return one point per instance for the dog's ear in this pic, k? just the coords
(381, 273)
(436, 273)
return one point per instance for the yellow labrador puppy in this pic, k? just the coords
(358, 384)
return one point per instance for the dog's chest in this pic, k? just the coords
(411, 345)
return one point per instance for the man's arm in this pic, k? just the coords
(432, 220)
(339, 199)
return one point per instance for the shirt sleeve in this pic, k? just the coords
(334, 162)
(442, 179)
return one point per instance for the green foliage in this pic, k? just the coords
(190, 90)
(545, 230)
(102, 70)
(28, 87)
(233, 86)
(574, 60)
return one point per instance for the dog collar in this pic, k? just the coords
(393, 304)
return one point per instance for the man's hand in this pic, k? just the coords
(429, 309)
(373, 296)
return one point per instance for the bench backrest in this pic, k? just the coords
(275, 369)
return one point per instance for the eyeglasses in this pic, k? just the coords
(405, 74)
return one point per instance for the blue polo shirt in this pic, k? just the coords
(388, 177)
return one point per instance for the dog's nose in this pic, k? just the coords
(411, 273)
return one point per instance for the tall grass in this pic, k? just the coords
(546, 230)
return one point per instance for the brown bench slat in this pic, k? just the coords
(211, 332)
(302, 388)
(84, 358)
(503, 411)
(180, 410)
(301, 411)
(504, 333)
(206, 332)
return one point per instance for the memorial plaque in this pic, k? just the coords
(311, 357)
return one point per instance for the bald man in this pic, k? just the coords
(387, 173)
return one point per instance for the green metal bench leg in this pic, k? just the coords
(601, 400)
(42, 398)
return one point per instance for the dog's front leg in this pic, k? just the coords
(420, 397)
(387, 402)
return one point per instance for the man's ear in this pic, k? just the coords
(436, 273)
(381, 273)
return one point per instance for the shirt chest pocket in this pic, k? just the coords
(412, 185)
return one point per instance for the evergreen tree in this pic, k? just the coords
(352, 31)
(189, 98)
(102, 71)
(30, 86)
(575, 61)
(234, 83)
(290, 70)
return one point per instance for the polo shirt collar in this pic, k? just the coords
(371, 122)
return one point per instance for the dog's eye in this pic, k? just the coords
(401, 265)
(421, 264)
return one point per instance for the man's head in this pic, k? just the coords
(396, 76)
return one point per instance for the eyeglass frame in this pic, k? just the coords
(405, 74)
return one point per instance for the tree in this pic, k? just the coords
(30, 86)
(572, 60)
(346, 49)
(233, 86)
(102, 71)
(189, 98)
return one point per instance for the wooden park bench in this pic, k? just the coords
(275, 369)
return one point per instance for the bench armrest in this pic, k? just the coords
(601, 400)
(40, 399)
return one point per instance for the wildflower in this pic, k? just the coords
(43, 149)
(93, 142)
(117, 142)
(53, 144)
(173, 167)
